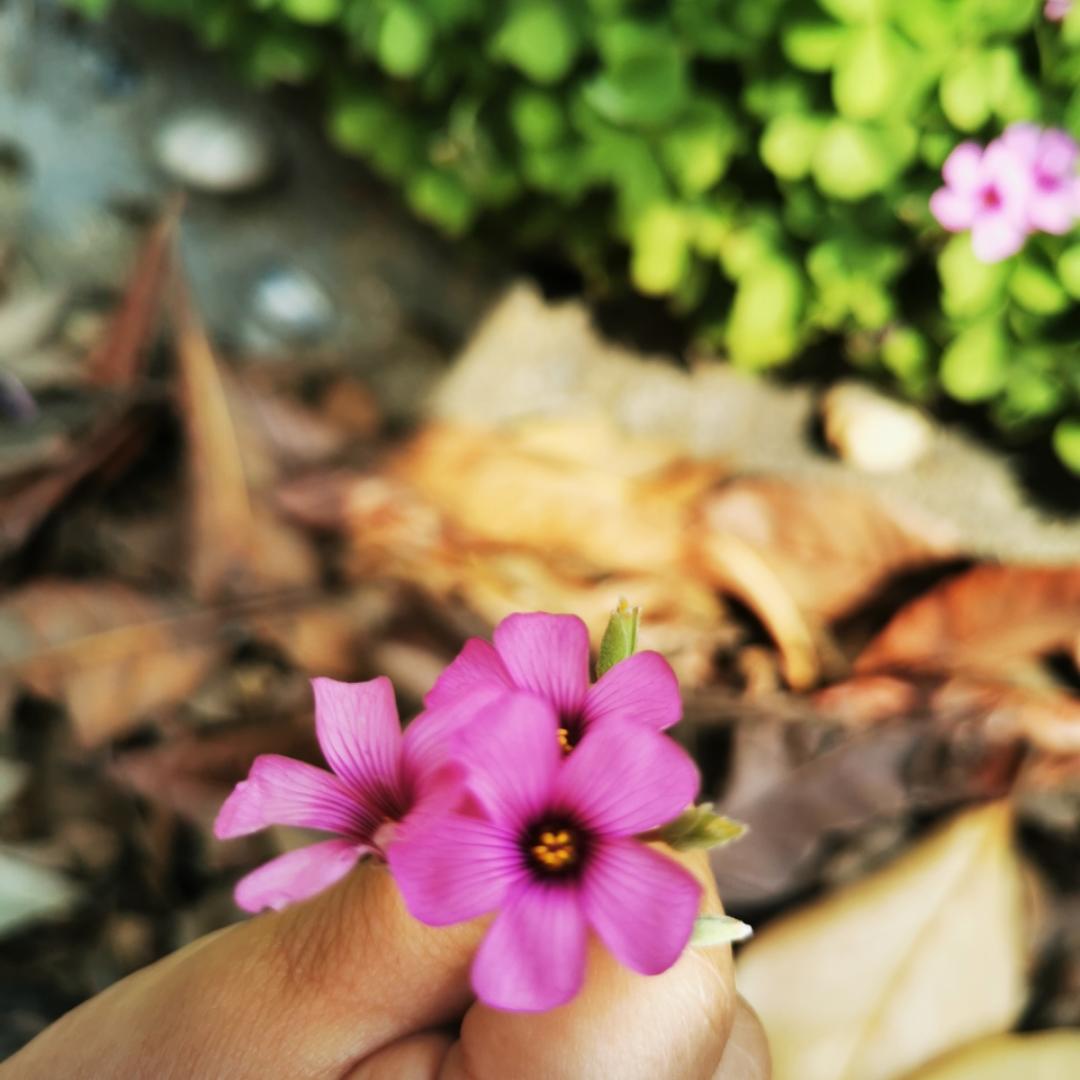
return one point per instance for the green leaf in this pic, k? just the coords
(620, 637)
(1067, 442)
(850, 161)
(540, 39)
(867, 78)
(969, 287)
(975, 365)
(789, 142)
(644, 81)
(661, 249)
(762, 329)
(1068, 268)
(854, 11)
(405, 39)
(712, 930)
(312, 12)
(537, 117)
(441, 198)
(699, 828)
(814, 46)
(966, 91)
(696, 150)
(1037, 289)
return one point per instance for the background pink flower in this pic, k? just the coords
(989, 192)
(380, 778)
(1051, 156)
(548, 655)
(1056, 10)
(553, 852)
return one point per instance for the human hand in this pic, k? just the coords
(348, 985)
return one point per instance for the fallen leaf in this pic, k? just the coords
(885, 974)
(801, 557)
(26, 320)
(983, 621)
(1044, 1055)
(111, 655)
(29, 893)
(117, 360)
(28, 500)
(237, 544)
(192, 774)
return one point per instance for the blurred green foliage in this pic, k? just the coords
(763, 164)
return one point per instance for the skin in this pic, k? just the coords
(348, 985)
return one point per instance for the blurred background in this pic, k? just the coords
(331, 332)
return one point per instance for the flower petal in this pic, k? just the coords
(281, 791)
(952, 210)
(533, 957)
(996, 237)
(963, 167)
(455, 869)
(548, 654)
(641, 903)
(296, 875)
(1053, 211)
(621, 782)
(476, 667)
(512, 755)
(641, 688)
(439, 733)
(359, 732)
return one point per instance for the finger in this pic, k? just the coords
(621, 1024)
(746, 1055)
(304, 992)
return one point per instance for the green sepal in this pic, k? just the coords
(718, 930)
(620, 637)
(699, 827)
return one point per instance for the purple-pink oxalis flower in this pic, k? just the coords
(550, 846)
(522, 790)
(1057, 10)
(1024, 181)
(548, 655)
(382, 783)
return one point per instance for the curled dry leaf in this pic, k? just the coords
(1045, 1055)
(886, 974)
(983, 621)
(111, 655)
(801, 557)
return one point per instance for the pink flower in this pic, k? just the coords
(553, 850)
(1056, 10)
(1050, 156)
(989, 192)
(548, 655)
(381, 782)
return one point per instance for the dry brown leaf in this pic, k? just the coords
(237, 544)
(983, 621)
(118, 358)
(886, 974)
(25, 502)
(222, 529)
(193, 774)
(801, 557)
(111, 655)
(1044, 1055)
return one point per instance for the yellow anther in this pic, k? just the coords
(555, 849)
(564, 740)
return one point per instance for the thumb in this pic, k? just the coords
(308, 991)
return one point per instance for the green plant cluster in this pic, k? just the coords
(765, 165)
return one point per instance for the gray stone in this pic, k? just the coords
(215, 151)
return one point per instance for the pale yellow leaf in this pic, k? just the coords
(900, 967)
(1047, 1055)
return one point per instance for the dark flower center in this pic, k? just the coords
(991, 197)
(555, 848)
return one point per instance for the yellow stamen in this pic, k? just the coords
(564, 740)
(555, 850)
